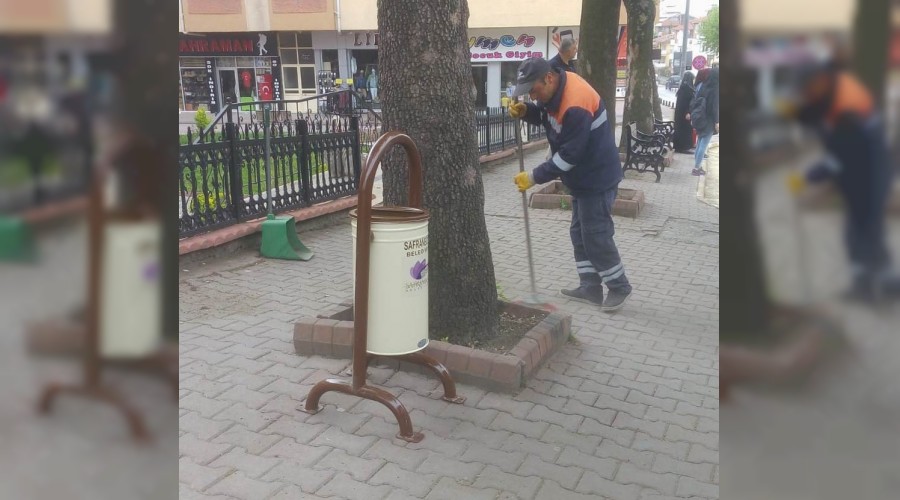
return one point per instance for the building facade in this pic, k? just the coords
(239, 50)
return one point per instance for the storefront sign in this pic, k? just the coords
(559, 33)
(276, 78)
(212, 83)
(228, 44)
(507, 45)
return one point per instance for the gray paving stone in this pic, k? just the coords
(360, 469)
(443, 466)
(626, 421)
(591, 427)
(253, 466)
(302, 432)
(199, 477)
(691, 487)
(601, 487)
(663, 483)
(700, 454)
(204, 406)
(343, 486)
(415, 483)
(605, 467)
(405, 458)
(202, 452)
(666, 464)
(679, 434)
(449, 489)
(505, 422)
(289, 449)
(558, 436)
(352, 444)
(609, 449)
(508, 461)
(240, 414)
(566, 476)
(544, 451)
(565, 420)
(238, 485)
(202, 428)
(675, 449)
(552, 490)
(242, 437)
(521, 487)
(505, 404)
(494, 439)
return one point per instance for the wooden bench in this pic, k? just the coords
(644, 152)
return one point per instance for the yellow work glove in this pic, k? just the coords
(785, 108)
(517, 109)
(795, 183)
(523, 181)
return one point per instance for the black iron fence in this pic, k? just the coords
(496, 130)
(315, 157)
(223, 179)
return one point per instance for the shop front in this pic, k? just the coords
(218, 69)
(495, 54)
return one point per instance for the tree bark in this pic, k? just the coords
(743, 297)
(598, 47)
(639, 94)
(425, 87)
(143, 56)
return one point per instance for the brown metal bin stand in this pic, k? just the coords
(361, 357)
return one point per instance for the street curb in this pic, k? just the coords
(330, 334)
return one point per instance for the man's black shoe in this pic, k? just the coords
(615, 299)
(588, 295)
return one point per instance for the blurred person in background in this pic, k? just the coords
(684, 137)
(704, 114)
(838, 107)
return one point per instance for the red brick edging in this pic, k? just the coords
(331, 335)
(629, 202)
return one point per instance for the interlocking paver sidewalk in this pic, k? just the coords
(628, 411)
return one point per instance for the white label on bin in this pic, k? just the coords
(416, 258)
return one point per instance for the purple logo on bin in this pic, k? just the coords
(418, 268)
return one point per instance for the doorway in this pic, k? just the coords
(479, 76)
(228, 86)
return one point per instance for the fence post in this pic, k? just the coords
(487, 135)
(357, 153)
(234, 170)
(305, 180)
(502, 129)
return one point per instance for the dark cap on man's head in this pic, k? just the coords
(530, 71)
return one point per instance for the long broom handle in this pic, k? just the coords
(521, 155)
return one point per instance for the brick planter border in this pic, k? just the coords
(549, 196)
(331, 335)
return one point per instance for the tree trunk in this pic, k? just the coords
(425, 88)
(143, 56)
(871, 34)
(639, 95)
(598, 47)
(742, 288)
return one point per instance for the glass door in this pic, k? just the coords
(228, 86)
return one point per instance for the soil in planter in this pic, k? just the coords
(512, 329)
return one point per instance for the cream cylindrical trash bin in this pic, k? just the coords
(398, 280)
